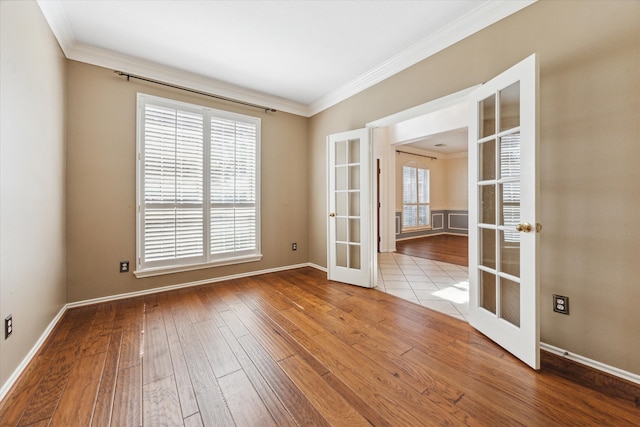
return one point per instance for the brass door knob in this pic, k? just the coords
(525, 226)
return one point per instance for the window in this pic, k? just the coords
(198, 187)
(415, 197)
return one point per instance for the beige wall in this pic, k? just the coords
(32, 179)
(589, 55)
(457, 186)
(101, 172)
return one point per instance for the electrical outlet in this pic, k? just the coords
(124, 266)
(294, 246)
(8, 326)
(561, 304)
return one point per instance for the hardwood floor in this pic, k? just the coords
(286, 349)
(443, 247)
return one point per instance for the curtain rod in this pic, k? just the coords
(223, 98)
(414, 154)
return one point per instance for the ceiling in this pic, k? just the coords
(296, 56)
(442, 130)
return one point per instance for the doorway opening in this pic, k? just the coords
(413, 241)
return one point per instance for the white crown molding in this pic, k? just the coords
(486, 14)
(477, 19)
(57, 20)
(127, 64)
(55, 16)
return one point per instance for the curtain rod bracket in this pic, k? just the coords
(211, 95)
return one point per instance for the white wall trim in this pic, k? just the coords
(468, 24)
(119, 62)
(317, 267)
(57, 20)
(634, 378)
(479, 18)
(36, 347)
(32, 353)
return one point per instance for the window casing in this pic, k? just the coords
(198, 187)
(415, 198)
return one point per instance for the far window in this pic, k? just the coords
(415, 197)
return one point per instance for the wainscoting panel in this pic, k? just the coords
(442, 221)
(458, 221)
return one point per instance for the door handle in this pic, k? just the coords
(332, 214)
(526, 227)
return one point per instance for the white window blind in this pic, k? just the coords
(198, 192)
(415, 197)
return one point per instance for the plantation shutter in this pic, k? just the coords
(423, 197)
(409, 197)
(173, 184)
(198, 187)
(415, 197)
(233, 186)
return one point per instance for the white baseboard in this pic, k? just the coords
(181, 285)
(32, 353)
(34, 350)
(317, 267)
(591, 363)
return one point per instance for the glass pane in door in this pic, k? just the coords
(354, 151)
(341, 255)
(510, 252)
(510, 203)
(487, 124)
(354, 257)
(341, 153)
(487, 204)
(510, 107)
(510, 301)
(488, 291)
(341, 229)
(487, 238)
(487, 159)
(510, 155)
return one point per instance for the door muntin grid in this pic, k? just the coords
(347, 202)
(498, 245)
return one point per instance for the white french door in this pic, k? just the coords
(503, 230)
(350, 254)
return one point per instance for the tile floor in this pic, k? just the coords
(437, 285)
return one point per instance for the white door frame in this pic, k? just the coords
(385, 152)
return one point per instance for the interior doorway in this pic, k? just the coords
(433, 135)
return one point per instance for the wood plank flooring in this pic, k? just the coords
(443, 247)
(287, 349)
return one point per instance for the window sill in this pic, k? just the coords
(158, 271)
